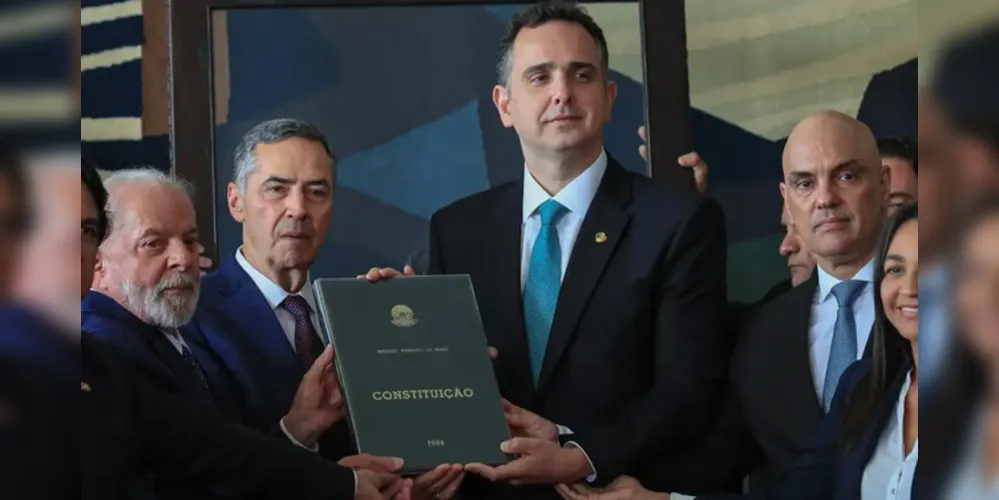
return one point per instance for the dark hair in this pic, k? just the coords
(965, 81)
(903, 147)
(889, 350)
(542, 13)
(95, 186)
(962, 384)
(12, 173)
(983, 129)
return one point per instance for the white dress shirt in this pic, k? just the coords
(576, 197)
(275, 295)
(176, 340)
(823, 320)
(889, 473)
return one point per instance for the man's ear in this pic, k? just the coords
(885, 179)
(100, 270)
(783, 194)
(501, 98)
(611, 97)
(234, 198)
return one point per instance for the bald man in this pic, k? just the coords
(792, 349)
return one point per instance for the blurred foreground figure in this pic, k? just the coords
(959, 145)
(961, 421)
(124, 429)
(39, 456)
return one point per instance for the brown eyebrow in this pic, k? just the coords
(549, 66)
(894, 257)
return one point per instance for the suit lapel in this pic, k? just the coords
(587, 261)
(256, 321)
(794, 322)
(504, 268)
(190, 383)
(145, 342)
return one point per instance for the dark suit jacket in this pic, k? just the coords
(131, 428)
(115, 427)
(775, 412)
(235, 322)
(155, 358)
(39, 426)
(823, 472)
(159, 364)
(633, 364)
(688, 465)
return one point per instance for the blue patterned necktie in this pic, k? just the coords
(544, 278)
(844, 343)
(189, 358)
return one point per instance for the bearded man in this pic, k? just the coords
(146, 285)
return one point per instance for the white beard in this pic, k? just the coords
(164, 311)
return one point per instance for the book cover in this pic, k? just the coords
(414, 369)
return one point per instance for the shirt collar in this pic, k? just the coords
(828, 281)
(576, 196)
(273, 292)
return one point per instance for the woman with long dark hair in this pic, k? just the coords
(962, 415)
(867, 445)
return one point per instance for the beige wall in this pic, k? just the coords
(764, 64)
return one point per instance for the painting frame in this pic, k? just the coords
(192, 138)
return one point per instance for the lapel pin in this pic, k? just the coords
(600, 237)
(84, 387)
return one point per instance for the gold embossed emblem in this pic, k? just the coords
(600, 237)
(403, 316)
(84, 387)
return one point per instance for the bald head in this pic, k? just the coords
(835, 189)
(829, 133)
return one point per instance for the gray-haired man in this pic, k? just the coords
(258, 311)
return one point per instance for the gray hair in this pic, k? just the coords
(139, 175)
(270, 132)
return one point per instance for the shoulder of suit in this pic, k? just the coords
(483, 200)
(217, 281)
(656, 197)
(758, 316)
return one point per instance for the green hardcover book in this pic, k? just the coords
(414, 370)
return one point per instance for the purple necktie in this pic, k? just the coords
(308, 345)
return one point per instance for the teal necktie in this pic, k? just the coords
(844, 343)
(544, 278)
